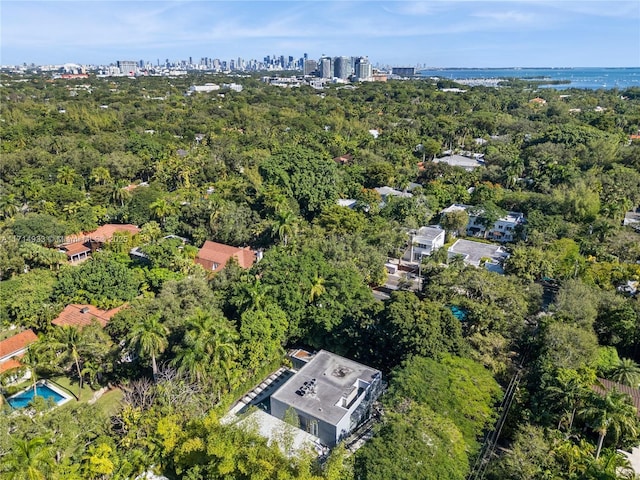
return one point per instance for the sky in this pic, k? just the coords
(451, 33)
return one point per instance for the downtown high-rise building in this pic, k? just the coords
(127, 67)
(342, 67)
(309, 67)
(325, 67)
(364, 69)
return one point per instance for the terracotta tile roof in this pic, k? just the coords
(608, 385)
(214, 256)
(9, 365)
(105, 232)
(72, 249)
(343, 159)
(82, 315)
(102, 234)
(12, 345)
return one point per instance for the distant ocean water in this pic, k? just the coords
(586, 78)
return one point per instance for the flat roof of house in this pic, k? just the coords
(219, 253)
(82, 315)
(513, 217)
(476, 251)
(428, 234)
(385, 191)
(14, 344)
(460, 161)
(335, 377)
(632, 217)
(301, 354)
(456, 207)
(346, 202)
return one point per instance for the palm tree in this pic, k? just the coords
(208, 348)
(612, 466)
(285, 226)
(626, 372)
(101, 175)
(119, 194)
(161, 209)
(68, 338)
(193, 361)
(72, 208)
(8, 206)
(317, 288)
(66, 175)
(27, 188)
(92, 370)
(256, 295)
(568, 394)
(33, 360)
(29, 460)
(224, 353)
(613, 411)
(149, 337)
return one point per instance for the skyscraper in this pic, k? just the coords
(326, 67)
(127, 67)
(342, 68)
(310, 66)
(364, 70)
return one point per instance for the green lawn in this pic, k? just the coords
(72, 387)
(109, 403)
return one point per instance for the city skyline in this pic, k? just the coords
(439, 34)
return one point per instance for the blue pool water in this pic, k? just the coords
(21, 400)
(459, 313)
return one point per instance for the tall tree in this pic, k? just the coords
(569, 393)
(29, 460)
(68, 339)
(66, 175)
(285, 226)
(626, 372)
(161, 209)
(611, 412)
(149, 338)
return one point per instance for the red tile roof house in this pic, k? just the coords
(12, 349)
(214, 256)
(79, 247)
(344, 159)
(82, 315)
(604, 385)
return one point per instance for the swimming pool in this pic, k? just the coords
(459, 313)
(22, 399)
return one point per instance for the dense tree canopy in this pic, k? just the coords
(255, 168)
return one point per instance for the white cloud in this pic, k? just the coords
(508, 17)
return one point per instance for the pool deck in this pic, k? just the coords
(51, 386)
(260, 393)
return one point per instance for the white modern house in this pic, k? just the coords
(423, 242)
(503, 230)
(478, 254)
(206, 88)
(468, 163)
(331, 396)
